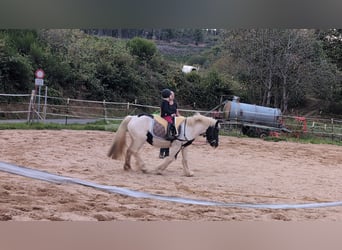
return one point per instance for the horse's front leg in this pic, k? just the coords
(168, 160)
(186, 170)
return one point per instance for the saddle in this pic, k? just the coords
(160, 125)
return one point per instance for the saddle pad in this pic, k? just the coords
(178, 121)
(159, 130)
(160, 124)
(160, 120)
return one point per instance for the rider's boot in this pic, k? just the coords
(171, 132)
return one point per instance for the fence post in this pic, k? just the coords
(38, 115)
(104, 111)
(127, 110)
(45, 103)
(67, 112)
(29, 114)
(332, 128)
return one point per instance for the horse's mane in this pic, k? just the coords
(208, 121)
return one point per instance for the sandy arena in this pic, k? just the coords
(240, 170)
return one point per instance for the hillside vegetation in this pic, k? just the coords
(271, 67)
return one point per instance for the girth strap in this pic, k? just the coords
(183, 146)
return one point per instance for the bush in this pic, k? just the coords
(142, 48)
(335, 107)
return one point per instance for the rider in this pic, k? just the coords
(168, 110)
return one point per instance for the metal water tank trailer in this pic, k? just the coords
(249, 113)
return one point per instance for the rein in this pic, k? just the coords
(183, 146)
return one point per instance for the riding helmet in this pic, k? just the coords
(166, 93)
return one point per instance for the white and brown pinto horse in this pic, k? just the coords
(140, 129)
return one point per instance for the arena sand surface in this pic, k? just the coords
(240, 170)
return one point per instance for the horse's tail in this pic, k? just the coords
(117, 150)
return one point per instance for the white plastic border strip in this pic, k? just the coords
(45, 176)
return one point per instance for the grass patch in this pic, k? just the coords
(307, 139)
(98, 125)
(316, 140)
(303, 138)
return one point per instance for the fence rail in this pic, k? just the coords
(58, 108)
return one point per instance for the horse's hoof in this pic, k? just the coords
(189, 174)
(156, 172)
(126, 168)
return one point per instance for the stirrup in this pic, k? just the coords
(170, 132)
(170, 137)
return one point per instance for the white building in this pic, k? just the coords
(187, 69)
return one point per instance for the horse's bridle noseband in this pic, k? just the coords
(212, 135)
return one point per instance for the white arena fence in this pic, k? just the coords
(39, 108)
(49, 107)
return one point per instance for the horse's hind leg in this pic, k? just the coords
(133, 149)
(127, 164)
(140, 162)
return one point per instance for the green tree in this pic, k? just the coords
(278, 66)
(198, 36)
(142, 48)
(215, 86)
(2, 59)
(332, 45)
(16, 65)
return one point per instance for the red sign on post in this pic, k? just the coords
(39, 73)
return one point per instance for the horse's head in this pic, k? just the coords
(212, 135)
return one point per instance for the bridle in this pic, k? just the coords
(212, 135)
